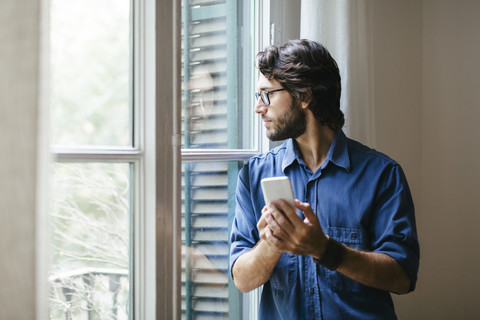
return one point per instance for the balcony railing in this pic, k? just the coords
(90, 293)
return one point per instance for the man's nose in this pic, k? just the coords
(260, 107)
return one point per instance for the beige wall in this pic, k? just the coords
(427, 93)
(450, 159)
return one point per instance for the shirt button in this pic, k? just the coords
(312, 291)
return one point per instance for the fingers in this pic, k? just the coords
(262, 223)
(307, 211)
(277, 223)
(282, 228)
(289, 211)
(270, 237)
(286, 216)
(267, 225)
(266, 232)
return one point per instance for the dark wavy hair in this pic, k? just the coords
(308, 72)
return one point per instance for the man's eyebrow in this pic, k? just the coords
(264, 88)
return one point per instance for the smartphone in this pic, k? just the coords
(277, 188)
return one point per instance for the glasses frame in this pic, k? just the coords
(265, 95)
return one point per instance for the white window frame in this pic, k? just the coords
(141, 154)
(144, 229)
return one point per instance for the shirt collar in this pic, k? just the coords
(337, 154)
(291, 154)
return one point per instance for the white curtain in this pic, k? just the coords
(23, 158)
(344, 27)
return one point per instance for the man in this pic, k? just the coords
(352, 239)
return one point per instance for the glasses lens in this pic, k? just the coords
(265, 98)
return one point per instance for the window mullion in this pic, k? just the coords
(93, 155)
(167, 153)
(217, 155)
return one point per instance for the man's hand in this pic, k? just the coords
(283, 229)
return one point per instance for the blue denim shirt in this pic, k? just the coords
(361, 198)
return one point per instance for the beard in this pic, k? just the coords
(292, 124)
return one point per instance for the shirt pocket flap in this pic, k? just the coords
(353, 237)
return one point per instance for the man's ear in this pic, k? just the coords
(304, 105)
(306, 99)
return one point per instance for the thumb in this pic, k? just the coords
(307, 210)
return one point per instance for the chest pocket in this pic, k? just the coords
(285, 273)
(353, 238)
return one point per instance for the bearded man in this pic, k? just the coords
(350, 239)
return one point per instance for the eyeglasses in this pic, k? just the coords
(265, 95)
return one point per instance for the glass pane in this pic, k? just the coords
(90, 62)
(90, 240)
(217, 69)
(208, 205)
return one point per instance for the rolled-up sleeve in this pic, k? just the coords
(394, 227)
(244, 233)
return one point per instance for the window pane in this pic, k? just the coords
(208, 205)
(90, 61)
(89, 273)
(217, 65)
